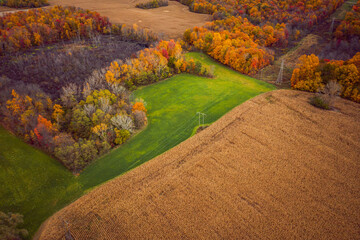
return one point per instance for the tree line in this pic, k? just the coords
(350, 26)
(152, 4)
(36, 27)
(244, 33)
(301, 14)
(238, 43)
(24, 3)
(312, 74)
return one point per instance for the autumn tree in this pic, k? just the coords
(139, 106)
(305, 76)
(121, 136)
(311, 75)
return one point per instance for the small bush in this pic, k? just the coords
(320, 102)
(326, 96)
(153, 4)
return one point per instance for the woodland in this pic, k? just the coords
(246, 35)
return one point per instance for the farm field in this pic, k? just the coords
(170, 21)
(275, 167)
(172, 117)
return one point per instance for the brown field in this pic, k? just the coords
(171, 21)
(273, 168)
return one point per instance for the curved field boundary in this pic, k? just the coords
(172, 107)
(275, 167)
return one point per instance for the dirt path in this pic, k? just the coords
(273, 168)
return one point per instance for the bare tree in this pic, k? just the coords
(123, 122)
(117, 89)
(96, 80)
(89, 109)
(86, 90)
(104, 105)
(69, 95)
(331, 91)
(326, 96)
(95, 38)
(140, 119)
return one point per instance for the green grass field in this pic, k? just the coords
(36, 185)
(32, 183)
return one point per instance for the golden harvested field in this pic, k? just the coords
(171, 21)
(273, 168)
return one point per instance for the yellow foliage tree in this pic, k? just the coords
(305, 76)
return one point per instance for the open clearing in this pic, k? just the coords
(273, 168)
(172, 107)
(171, 20)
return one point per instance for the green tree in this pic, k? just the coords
(121, 136)
(80, 124)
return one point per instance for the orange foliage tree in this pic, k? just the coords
(21, 30)
(152, 65)
(350, 26)
(312, 74)
(139, 106)
(296, 13)
(237, 43)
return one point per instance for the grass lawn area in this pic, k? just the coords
(32, 183)
(36, 185)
